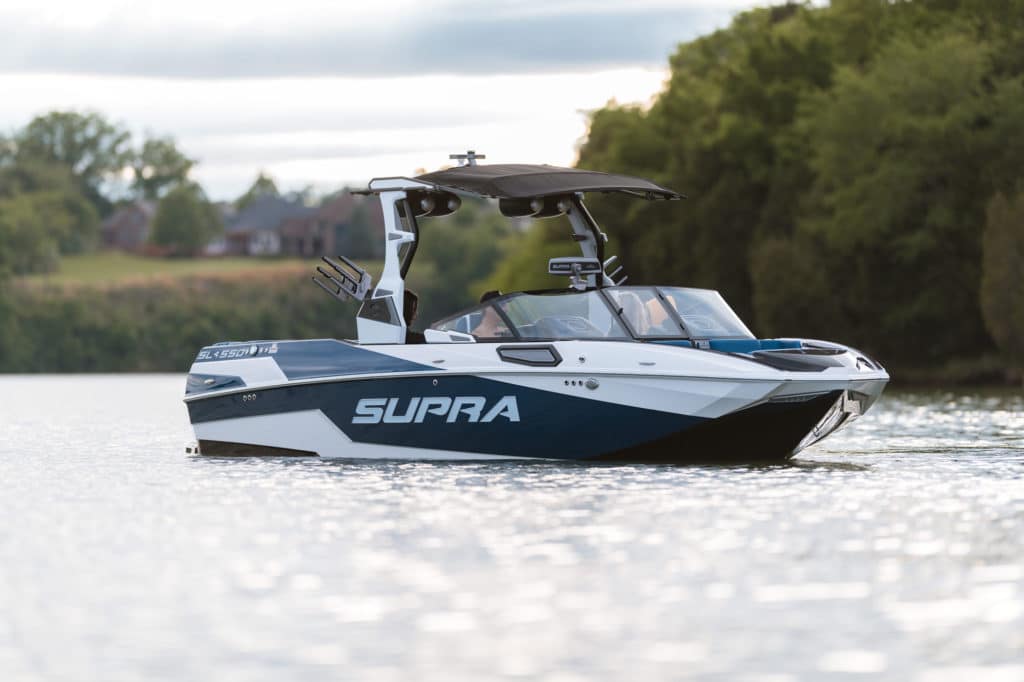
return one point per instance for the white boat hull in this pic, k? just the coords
(604, 401)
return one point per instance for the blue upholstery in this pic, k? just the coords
(741, 345)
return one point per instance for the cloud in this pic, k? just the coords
(329, 131)
(455, 38)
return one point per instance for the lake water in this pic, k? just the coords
(893, 550)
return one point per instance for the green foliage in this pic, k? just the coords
(158, 168)
(902, 157)
(91, 148)
(526, 266)
(264, 185)
(56, 175)
(1002, 282)
(455, 255)
(185, 221)
(838, 161)
(36, 228)
(158, 326)
(26, 245)
(791, 290)
(56, 212)
(30, 175)
(361, 237)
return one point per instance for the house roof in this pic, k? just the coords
(130, 214)
(336, 209)
(266, 213)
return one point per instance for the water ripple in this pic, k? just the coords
(892, 550)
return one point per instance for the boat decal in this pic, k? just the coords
(451, 409)
(315, 358)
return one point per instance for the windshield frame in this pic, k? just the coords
(736, 318)
(607, 292)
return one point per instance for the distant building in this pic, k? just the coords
(128, 228)
(347, 224)
(269, 225)
(256, 229)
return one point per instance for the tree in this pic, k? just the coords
(718, 133)
(1002, 279)
(263, 186)
(63, 213)
(91, 148)
(26, 243)
(838, 161)
(361, 237)
(7, 151)
(902, 154)
(185, 220)
(27, 176)
(158, 168)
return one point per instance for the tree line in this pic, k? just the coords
(853, 172)
(65, 171)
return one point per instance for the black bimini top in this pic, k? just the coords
(523, 181)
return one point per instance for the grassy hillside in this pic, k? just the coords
(118, 269)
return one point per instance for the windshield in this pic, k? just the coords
(583, 315)
(705, 313)
(484, 323)
(644, 312)
(572, 315)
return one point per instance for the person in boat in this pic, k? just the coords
(490, 325)
(410, 303)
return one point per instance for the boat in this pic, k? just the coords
(599, 370)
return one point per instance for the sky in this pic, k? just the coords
(328, 93)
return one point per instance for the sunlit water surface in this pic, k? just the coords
(894, 550)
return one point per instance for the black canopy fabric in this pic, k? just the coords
(522, 181)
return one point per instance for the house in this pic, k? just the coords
(256, 229)
(128, 228)
(347, 224)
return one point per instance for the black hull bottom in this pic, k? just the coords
(770, 432)
(219, 448)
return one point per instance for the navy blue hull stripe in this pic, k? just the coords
(550, 424)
